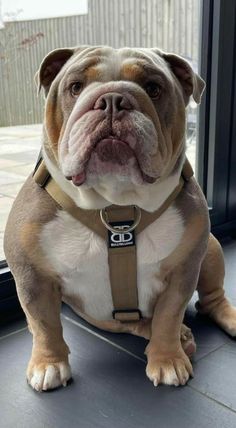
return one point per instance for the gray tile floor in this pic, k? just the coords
(109, 387)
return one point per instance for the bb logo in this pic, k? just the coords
(121, 237)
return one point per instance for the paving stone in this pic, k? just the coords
(21, 131)
(6, 163)
(5, 206)
(13, 147)
(2, 255)
(24, 156)
(11, 190)
(9, 178)
(24, 170)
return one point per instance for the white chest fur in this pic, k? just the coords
(79, 256)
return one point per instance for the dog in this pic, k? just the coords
(114, 136)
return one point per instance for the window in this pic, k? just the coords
(192, 28)
(24, 40)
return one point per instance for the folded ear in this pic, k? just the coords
(50, 67)
(191, 82)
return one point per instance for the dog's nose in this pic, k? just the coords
(112, 103)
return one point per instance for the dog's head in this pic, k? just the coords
(115, 119)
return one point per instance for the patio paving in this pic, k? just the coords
(19, 149)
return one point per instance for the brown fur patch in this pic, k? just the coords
(24, 227)
(133, 72)
(92, 74)
(178, 130)
(53, 122)
(193, 231)
(30, 240)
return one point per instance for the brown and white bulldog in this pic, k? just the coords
(114, 134)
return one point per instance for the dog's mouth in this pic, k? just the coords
(110, 155)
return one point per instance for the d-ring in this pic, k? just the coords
(103, 214)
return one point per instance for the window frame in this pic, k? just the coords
(216, 174)
(10, 308)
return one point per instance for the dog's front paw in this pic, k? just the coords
(187, 341)
(46, 376)
(169, 370)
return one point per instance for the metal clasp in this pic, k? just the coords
(105, 221)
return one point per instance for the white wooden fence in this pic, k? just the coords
(172, 25)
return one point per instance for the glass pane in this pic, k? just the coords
(170, 25)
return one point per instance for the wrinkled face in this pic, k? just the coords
(115, 117)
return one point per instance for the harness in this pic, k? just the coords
(118, 226)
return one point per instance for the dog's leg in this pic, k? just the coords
(142, 328)
(167, 361)
(41, 301)
(212, 300)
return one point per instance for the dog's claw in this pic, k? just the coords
(48, 376)
(174, 370)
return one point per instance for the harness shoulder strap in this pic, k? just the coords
(91, 218)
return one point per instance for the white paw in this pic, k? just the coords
(169, 371)
(48, 376)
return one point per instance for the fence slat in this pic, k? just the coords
(168, 24)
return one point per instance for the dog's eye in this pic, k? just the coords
(153, 89)
(75, 88)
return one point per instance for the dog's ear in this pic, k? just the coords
(191, 82)
(50, 67)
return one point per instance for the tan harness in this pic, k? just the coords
(117, 226)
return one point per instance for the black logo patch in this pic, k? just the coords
(121, 239)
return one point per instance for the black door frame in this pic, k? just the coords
(217, 153)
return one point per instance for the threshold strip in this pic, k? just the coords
(13, 332)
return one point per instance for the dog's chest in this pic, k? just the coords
(80, 257)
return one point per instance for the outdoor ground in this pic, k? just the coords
(19, 149)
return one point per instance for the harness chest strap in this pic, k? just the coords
(121, 258)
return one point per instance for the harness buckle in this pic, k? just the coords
(127, 315)
(105, 221)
